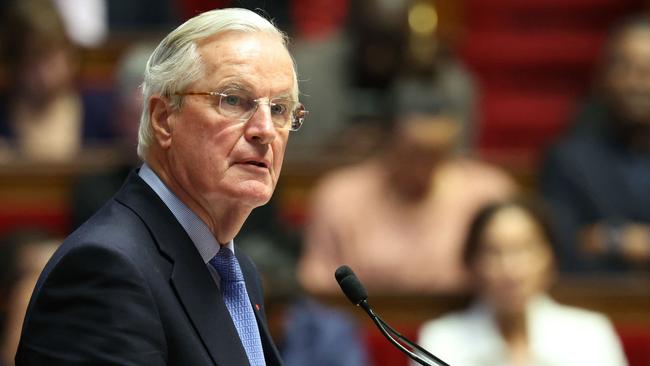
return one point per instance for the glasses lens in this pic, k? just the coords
(236, 104)
(285, 113)
(281, 112)
(298, 117)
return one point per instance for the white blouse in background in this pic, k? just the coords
(559, 335)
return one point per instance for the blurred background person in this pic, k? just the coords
(355, 55)
(398, 218)
(597, 178)
(445, 81)
(91, 190)
(509, 254)
(23, 255)
(45, 116)
(430, 69)
(321, 49)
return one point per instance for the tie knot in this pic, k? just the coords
(227, 266)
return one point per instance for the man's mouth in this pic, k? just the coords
(260, 164)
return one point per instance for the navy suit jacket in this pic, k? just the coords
(129, 288)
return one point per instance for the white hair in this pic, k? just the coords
(176, 62)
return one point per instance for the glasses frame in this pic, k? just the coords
(298, 114)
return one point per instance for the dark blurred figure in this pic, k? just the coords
(45, 117)
(321, 49)
(443, 79)
(509, 255)
(597, 178)
(128, 15)
(305, 331)
(399, 218)
(399, 48)
(23, 255)
(91, 191)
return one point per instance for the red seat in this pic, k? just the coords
(522, 119)
(533, 59)
(382, 352)
(488, 49)
(636, 344)
(51, 218)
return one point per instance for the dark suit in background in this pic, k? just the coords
(591, 176)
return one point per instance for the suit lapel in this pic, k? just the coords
(190, 277)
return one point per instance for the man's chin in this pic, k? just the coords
(255, 193)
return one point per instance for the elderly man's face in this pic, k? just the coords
(217, 159)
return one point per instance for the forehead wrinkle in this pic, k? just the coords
(236, 82)
(238, 77)
(232, 61)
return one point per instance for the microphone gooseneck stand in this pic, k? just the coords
(356, 293)
(388, 332)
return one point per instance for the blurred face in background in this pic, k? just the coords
(46, 70)
(421, 142)
(42, 60)
(627, 78)
(514, 261)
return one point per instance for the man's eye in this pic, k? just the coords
(279, 108)
(231, 99)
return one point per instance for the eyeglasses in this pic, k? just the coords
(285, 113)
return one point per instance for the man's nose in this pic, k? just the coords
(260, 127)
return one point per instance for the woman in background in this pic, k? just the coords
(44, 114)
(513, 321)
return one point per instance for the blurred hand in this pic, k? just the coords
(635, 243)
(632, 241)
(592, 240)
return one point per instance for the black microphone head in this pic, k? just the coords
(350, 284)
(342, 272)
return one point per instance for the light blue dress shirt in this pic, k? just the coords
(196, 229)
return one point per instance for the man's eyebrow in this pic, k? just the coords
(245, 87)
(235, 86)
(284, 95)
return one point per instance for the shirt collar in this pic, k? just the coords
(196, 229)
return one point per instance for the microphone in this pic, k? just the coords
(350, 284)
(356, 293)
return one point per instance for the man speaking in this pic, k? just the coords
(154, 278)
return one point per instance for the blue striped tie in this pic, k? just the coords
(236, 298)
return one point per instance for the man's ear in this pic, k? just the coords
(160, 112)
